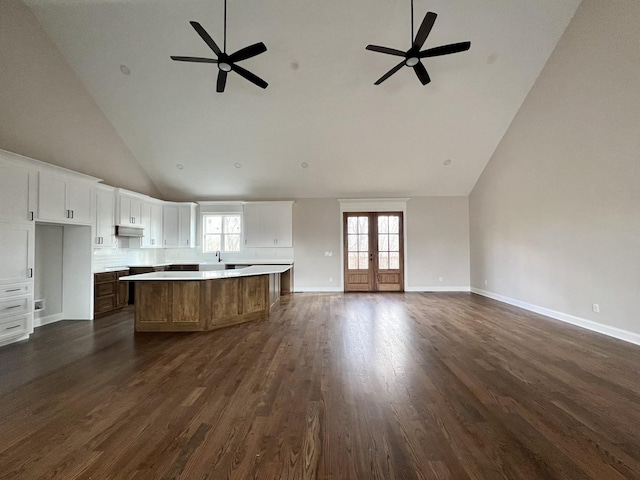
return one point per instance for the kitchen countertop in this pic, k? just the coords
(208, 275)
(240, 261)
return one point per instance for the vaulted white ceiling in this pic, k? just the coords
(321, 107)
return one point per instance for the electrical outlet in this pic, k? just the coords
(330, 279)
(596, 308)
(328, 254)
(39, 305)
(440, 279)
(485, 283)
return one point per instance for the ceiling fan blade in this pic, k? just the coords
(222, 81)
(421, 73)
(194, 59)
(249, 76)
(389, 73)
(206, 37)
(248, 52)
(424, 30)
(445, 50)
(389, 51)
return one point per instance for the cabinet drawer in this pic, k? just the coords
(14, 327)
(15, 290)
(15, 306)
(105, 304)
(104, 289)
(105, 277)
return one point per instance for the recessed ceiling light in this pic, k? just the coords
(179, 166)
(304, 165)
(237, 165)
(124, 69)
(447, 161)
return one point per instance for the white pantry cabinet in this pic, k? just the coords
(268, 224)
(178, 225)
(105, 234)
(152, 224)
(62, 199)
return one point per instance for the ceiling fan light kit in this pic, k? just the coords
(413, 56)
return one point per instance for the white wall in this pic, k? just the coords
(555, 217)
(438, 243)
(316, 230)
(46, 113)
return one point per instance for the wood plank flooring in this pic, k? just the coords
(332, 386)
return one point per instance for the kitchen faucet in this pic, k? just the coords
(218, 255)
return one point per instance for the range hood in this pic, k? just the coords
(123, 231)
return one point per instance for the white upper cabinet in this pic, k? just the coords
(105, 235)
(130, 210)
(178, 225)
(268, 224)
(63, 199)
(17, 189)
(187, 222)
(152, 224)
(170, 226)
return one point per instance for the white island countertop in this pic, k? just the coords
(208, 275)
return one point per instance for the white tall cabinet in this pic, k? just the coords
(17, 234)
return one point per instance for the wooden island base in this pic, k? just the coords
(200, 305)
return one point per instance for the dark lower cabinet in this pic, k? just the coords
(109, 294)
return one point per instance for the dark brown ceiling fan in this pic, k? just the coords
(413, 56)
(226, 63)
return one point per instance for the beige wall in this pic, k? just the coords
(555, 216)
(437, 243)
(47, 114)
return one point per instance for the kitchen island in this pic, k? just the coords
(206, 300)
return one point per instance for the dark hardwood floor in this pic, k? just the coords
(332, 386)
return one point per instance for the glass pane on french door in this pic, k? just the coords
(358, 242)
(388, 242)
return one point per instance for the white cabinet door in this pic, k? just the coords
(79, 196)
(16, 252)
(170, 226)
(16, 192)
(151, 216)
(278, 221)
(52, 198)
(130, 211)
(61, 199)
(105, 218)
(252, 223)
(187, 225)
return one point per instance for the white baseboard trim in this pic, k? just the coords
(437, 289)
(318, 290)
(56, 317)
(614, 332)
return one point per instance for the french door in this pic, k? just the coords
(373, 252)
